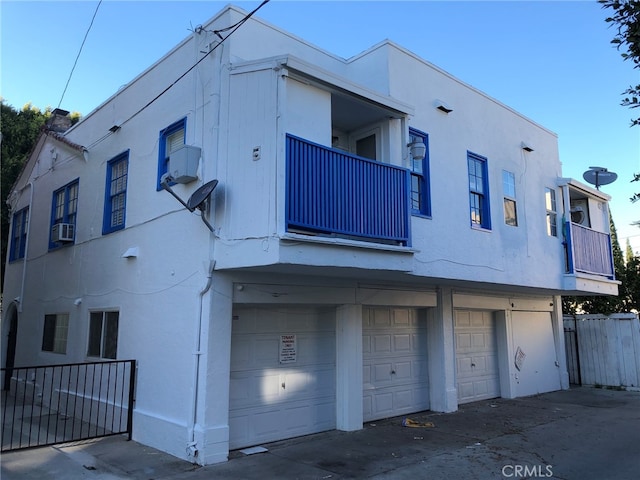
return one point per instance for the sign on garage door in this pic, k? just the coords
(395, 373)
(476, 356)
(282, 374)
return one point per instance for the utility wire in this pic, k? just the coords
(79, 52)
(233, 28)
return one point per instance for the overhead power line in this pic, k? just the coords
(79, 52)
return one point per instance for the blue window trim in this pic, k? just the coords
(19, 237)
(66, 217)
(425, 178)
(163, 161)
(107, 227)
(484, 208)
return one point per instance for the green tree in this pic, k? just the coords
(625, 17)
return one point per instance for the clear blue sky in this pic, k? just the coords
(551, 61)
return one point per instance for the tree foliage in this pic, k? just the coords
(625, 17)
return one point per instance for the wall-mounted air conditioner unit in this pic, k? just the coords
(580, 212)
(63, 232)
(183, 164)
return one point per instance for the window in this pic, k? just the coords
(115, 194)
(19, 234)
(552, 215)
(103, 334)
(478, 191)
(54, 338)
(171, 138)
(65, 207)
(420, 191)
(509, 192)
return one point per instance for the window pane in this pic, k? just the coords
(49, 333)
(95, 334)
(510, 215)
(552, 228)
(110, 344)
(476, 211)
(509, 184)
(61, 331)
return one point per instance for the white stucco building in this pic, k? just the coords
(385, 239)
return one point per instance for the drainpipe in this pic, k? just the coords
(26, 247)
(192, 449)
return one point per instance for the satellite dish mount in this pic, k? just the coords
(197, 200)
(599, 176)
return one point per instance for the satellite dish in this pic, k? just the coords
(197, 198)
(599, 176)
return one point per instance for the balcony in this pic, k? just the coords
(588, 251)
(333, 193)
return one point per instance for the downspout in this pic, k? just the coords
(26, 248)
(192, 449)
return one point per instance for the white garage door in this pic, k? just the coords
(533, 335)
(282, 374)
(395, 373)
(477, 375)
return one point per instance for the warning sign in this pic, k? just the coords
(288, 348)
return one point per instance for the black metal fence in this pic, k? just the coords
(51, 404)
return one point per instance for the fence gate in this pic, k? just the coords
(571, 349)
(45, 405)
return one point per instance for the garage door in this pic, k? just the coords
(395, 373)
(477, 375)
(282, 374)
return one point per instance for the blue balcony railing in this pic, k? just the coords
(589, 251)
(332, 192)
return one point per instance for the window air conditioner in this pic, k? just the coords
(580, 213)
(63, 232)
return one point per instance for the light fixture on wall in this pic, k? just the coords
(417, 149)
(443, 107)
(526, 147)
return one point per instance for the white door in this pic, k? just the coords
(477, 376)
(282, 374)
(533, 335)
(395, 372)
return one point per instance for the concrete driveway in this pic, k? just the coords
(582, 433)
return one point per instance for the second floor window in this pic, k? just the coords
(65, 208)
(116, 193)
(19, 234)
(478, 191)
(420, 188)
(171, 138)
(509, 192)
(552, 215)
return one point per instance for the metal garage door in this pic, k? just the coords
(282, 374)
(395, 373)
(477, 375)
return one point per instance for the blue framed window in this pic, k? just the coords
(478, 191)
(19, 234)
(420, 185)
(64, 211)
(171, 138)
(115, 198)
(509, 192)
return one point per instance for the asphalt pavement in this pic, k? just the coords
(578, 434)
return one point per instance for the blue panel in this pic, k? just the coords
(332, 192)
